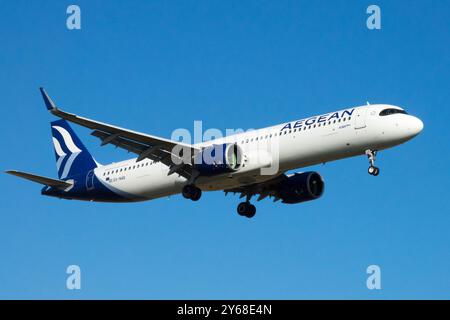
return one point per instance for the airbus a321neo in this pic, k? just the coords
(252, 164)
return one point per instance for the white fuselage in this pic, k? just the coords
(279, 148)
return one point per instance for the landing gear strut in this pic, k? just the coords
(246, 209)
(191, 192)
(374, 171)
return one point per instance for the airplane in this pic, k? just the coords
(234, 163)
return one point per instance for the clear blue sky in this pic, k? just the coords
(154, 66)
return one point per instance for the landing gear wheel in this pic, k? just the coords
(196, 195)
(186, 192)
(377, 172)
(242, 208)
(252, 211)
(191, 192)
(374, 171)
(246, 209)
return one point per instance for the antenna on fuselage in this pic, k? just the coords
(368, 103)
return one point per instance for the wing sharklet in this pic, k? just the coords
(47, 100)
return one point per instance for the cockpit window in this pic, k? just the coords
(388, 112)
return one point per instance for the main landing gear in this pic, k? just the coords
(374, 171)
(246, 209)
(191, 192)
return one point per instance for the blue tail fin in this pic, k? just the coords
(72, 157)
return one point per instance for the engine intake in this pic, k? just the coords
(218, 159)
(301, 187)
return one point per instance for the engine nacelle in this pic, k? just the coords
(301, 187)
(218, 159)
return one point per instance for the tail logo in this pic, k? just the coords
(70, 146)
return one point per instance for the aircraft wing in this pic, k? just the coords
(59, 184)
(144, 145)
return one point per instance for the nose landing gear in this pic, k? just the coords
(371, 154)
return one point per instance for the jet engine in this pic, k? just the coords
(218, 159)
(301, 187)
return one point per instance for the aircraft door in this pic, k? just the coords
(360, 119)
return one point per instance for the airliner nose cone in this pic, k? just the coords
(415, 126)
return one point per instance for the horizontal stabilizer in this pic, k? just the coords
(59, 184)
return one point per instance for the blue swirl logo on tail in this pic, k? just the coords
(72, 157)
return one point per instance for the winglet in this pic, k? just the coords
(48, 102)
